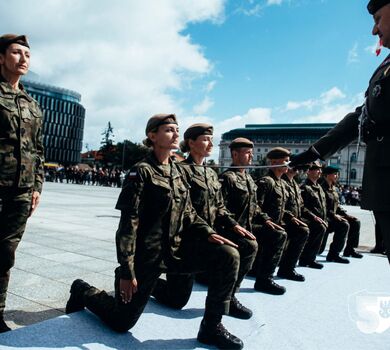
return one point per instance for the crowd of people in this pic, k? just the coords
(92, 176)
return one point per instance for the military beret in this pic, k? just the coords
(8, 39)
(278, 153)
(159, 119)
(241, 142)
(315, 165)
(375, 5)
(196, 130)
(330, 169)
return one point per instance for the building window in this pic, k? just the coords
(353, 174)
(353, 157)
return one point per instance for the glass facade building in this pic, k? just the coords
(63, 121)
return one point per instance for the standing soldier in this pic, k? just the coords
(337, 215)
(315, 213)
(239, 191)
(21, 155)
(272, 198)
(206, 197)
(159, 231)
(371, 120)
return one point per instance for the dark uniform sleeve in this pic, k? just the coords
(39, 162)
(346, 131)
(306, 196)
(223, 216)
(126, 235)
(263, 188)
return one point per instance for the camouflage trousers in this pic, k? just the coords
(313, 243)
(271, 245)
(176, 290)
(15, 205)
(340, 229)
(223, 260)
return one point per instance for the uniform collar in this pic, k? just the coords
(7, 89)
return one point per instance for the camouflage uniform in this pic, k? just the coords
(21, 171)
(239, 192)
(272, 197)
(315, 205)
(340, 228)
(159, 231)
(206, 197)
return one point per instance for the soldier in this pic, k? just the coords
(371, 120)
(206, 197)
(315, 213)
(272, 198)
(337, 215)
(159, 231)
(21, 154)
(239, 192)
(295, 208)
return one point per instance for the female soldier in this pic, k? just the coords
(159, 231)
(208, 202)
(21, 155)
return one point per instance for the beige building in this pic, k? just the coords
(296, 138)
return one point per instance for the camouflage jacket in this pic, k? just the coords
(239, 192)
(315, 200)
(294, 204)
(206, 195)
(272, 197)
(332, 200)
(21, 148)
(156, 211)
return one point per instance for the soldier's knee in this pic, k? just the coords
(250, 247)
(229, 255)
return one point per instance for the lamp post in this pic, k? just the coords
(123, 154)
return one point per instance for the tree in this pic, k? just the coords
(108, 149)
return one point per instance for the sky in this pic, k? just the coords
(228, 63)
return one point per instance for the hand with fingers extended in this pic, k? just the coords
(243, 232)
(36, 196)
(274, 226)
(218, 239)
(298, 222)
(323, 222)
(127, 288)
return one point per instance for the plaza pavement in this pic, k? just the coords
(72, 234)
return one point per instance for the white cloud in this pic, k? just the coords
(204, 106)
(124, 57)
(210, 86)
(325, 98)
(353, 56)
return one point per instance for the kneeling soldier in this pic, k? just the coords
(272, 197)
(239, 191)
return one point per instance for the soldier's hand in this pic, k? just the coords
(298, 222)
(218, 239)
(305, 157)
(273, 225)
(243, 232)
(127, 288)
(317, 218)
(36, 196)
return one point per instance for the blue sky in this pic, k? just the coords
(228, 63)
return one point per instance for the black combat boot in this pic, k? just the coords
(268, 285)
(216, 334)
(352, 253)
(312, 264)
(291, 275)
(333, 257)
(238, 310)
(76, 300)
(3, 326)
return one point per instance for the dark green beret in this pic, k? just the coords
(8, 39)
(315, 165)
(196, 130)
(241, 142)
(159, 119)
(330, 169)
(278, 153)
(375, 5)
